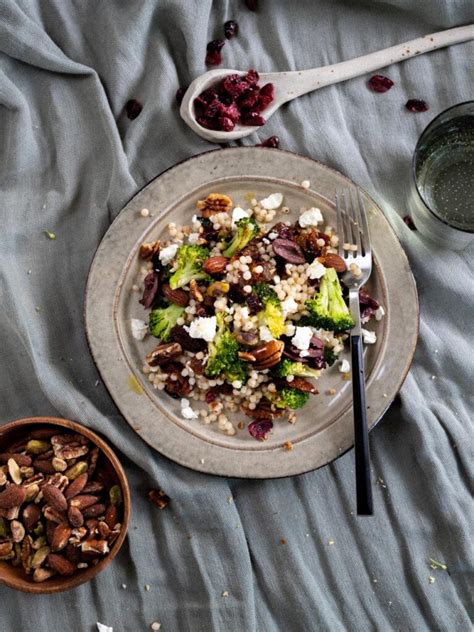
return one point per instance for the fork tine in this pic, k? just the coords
(355, 217)
(347, 221)
(340, 227)
(364, 224)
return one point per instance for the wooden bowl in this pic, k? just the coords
(15, 577)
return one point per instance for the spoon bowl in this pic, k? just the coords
(292, 84)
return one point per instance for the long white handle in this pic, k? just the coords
(308, 80)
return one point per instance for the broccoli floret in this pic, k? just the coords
(289, 367)
(327, 310)
(291, 398)
(190, 260)
(247, 229)
(272, 314)
(223, 354)
(162, 321)
(329, 355)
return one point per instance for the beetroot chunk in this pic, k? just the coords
(416, 105)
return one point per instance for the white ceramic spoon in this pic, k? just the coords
(289, 85)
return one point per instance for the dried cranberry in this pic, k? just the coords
(368, 305)
(213, 56)
(252, 4)
(249, 98)
(180, 92)
(151, 283)
(379, 83)
(234, 85)
(179, 334)
(211, 397)
(225, 124)
(409, 222)
(252, 118)
(133, 109)
(252, 77)
(288, 250)
(209, 95)
(231, 29)
(282, 230)
(267, 90)
(273, 141)
(259, 429)
(416, 105)
(236, 293)
(254, 304)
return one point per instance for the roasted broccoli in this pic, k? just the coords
(327, 310)
(289, 367)
(329, 355)
(291, 398)
(190, 260)
(162, 321)
(247, 229)
(272, 314)
(223, 354)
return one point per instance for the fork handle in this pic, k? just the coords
(361, 433)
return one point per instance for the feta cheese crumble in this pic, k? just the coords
(302, 338)
(316, 270)
(369, 337)
(238, 213)
(289, 306)
(311, 217)
(380, 313)
(203, 327)
(344, 366)
(265, 333)
(139, 328)
(193, 238)
(104, 628)
(168, 254)
(186, 411)
(272, 202)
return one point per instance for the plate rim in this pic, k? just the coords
(199, 465)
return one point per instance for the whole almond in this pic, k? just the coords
(45, 467)
(215, 265)
(331, 260)
(93, 488)
(54, 497)
(178, 297)
(31, 514)
(111, 516)
(60, 564)
(76, 486)
(54, 516)
(20, 459)
(83, 501)
(94, 510)
(60, 537)
(12, 496)
(75, 517)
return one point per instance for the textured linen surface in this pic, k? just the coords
(70, 160)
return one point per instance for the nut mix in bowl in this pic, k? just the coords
(248, 311)
(62, 505)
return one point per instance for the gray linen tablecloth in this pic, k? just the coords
(70, 159)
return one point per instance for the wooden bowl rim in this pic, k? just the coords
(57, 583)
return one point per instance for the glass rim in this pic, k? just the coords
(413, 163)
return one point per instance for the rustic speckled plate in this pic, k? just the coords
(323, 430)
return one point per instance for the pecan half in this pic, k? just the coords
(215, 265)
(302, 385)
(246, 357)
(214, 203)
(158, 498)
(178, 297)
(149, 250)
(163, 353)
(195, 291)
(268, 354)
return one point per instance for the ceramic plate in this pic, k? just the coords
(323, 430)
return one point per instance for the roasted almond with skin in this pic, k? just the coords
(21, 459)
(75, 517)
(94, 510)
(54, 497)
(77, 486)
(93, 487)
(215, 265)
(60, 537)
(60, 564)
(54, 516)
(178, 297)
(331, 260)
(12, 496)
(30, 516)
(111, 516)
(83, 501)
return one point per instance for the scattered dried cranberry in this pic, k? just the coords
(273, 141)
(379, 83)
(151, 283)
(213, 56)
(252, 118)
(252, 77)
(368, 305)
(133, 109)
(180, 92)
(409, 222)
(260, 429)
(252, 4)
(231, 29)
(254, 304)
(416, 105)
